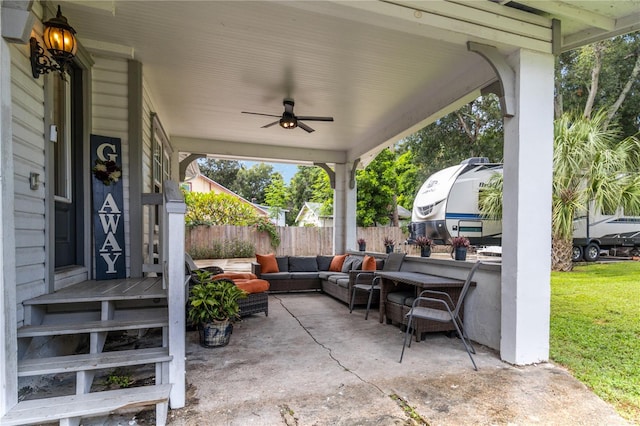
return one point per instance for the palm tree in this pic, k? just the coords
(592, 169)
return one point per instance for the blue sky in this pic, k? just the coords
(286, 170)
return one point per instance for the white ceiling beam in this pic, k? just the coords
(450, 29)
(260, 152)
(562, 9)
(435, 101)
(96, 6)
(111, 49)
(628, 24)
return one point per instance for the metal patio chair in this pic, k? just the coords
(391, 263)
(448, 313)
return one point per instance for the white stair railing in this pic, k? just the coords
(174, 280)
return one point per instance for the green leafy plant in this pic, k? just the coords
(213, 300)
(117, 378)
(226, 249)
(263, 224)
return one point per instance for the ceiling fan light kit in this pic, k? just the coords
(288, 119)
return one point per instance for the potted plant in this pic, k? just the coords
(213, 305)
(459, 246)
(388, 244)
(424, 243)
(362, 244)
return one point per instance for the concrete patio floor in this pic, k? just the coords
(310, 362)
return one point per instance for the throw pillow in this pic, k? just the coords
(267, 263)
(336, 263)
(351, 263)
(369, 263)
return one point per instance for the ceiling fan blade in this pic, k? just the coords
(270, 124)
(305, 118)
(305, 127)
(259, 113)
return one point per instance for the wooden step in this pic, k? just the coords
(154, 321)
(72, 408)
(86, 362)
(91, 291)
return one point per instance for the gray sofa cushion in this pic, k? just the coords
(276, 276)
(323, 275)
(303, 275)
(334, 278)
(343, 282)
(399, 297)
(283, 263)
(324, 262)
(303, 264)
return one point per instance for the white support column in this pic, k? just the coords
(175, 282)
(526, 225)
(8, 321)
(344, 210)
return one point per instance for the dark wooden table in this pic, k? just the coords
(390, 281)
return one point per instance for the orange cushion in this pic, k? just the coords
(236, 275)
(336, 262)
(267, 263)
(368, 263)
(253, 286)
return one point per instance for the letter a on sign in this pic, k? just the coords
(108, 223)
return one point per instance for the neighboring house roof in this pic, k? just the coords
(313, 209)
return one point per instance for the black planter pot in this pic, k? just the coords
(460, 253)
(425, 251)
(214, 334)
(389, 249)
(362, 247)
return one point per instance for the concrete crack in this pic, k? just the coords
(329, 350)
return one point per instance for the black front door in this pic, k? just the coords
(68, 146)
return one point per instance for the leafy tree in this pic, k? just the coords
(475, 130)
(408, 183)
(603, 75)
(276, 195)
(251, 183)
(591, 164)
(376, 189)
(302, 188)
(222, 171)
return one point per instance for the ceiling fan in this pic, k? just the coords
(289, 120)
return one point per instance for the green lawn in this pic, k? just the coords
(595, 330)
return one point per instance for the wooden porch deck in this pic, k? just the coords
(105, 290)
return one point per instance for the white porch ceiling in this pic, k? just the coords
(383, 69)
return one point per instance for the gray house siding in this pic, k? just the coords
(27, 97)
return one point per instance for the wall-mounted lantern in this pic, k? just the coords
(60, 43)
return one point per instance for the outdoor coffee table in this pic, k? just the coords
(415, 282)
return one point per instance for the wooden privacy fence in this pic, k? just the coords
(294, 240)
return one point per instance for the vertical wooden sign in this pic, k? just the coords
(108, 220)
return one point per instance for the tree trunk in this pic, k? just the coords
(598, 51)
(627, 87)
(561, 254)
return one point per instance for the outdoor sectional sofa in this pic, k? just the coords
(300, 273)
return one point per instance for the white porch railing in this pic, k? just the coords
(165, 254)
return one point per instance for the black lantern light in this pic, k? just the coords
(61, 44)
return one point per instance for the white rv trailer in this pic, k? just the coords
(446, 206)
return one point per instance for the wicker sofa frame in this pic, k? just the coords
(254, 303)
